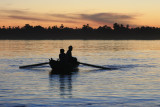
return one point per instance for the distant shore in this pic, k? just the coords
(80, 36)
(118, 32)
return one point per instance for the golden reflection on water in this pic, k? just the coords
(137, 76)
(12, 48)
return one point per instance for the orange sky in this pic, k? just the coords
(75, 13)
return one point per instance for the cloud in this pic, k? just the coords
(22, 11)
(66, 16)
(25, 14)
(103, 18)
(38, 19)
(108, 17)
(96, 18)
(28, 18)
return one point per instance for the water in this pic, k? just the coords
(135, 82)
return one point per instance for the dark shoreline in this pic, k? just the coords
(80, 36)
(118, 32)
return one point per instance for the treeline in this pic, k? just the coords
(105, 32)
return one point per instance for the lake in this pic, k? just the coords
(134, 82)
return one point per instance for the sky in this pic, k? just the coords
(76, 13)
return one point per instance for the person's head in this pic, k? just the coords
(70, 48)
(61, 50)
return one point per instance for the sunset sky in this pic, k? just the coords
(75, 13)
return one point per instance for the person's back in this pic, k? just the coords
(62, 56)
(69, 53)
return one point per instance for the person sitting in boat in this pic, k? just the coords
(62, 56)
(69, 52)
(69, 55)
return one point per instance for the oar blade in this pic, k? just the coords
(96, 66)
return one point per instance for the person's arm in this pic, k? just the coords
(59, 56)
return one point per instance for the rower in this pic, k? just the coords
(69, 55)
(62, 56)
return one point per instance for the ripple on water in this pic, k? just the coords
(134, 82)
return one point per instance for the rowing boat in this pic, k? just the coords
(63, 67)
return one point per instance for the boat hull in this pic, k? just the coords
(63, 68)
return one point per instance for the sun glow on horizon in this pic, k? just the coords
(76, 13)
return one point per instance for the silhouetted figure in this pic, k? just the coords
(69, 55)
(69, 52)
(62, 56)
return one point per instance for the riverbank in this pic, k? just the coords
(80, 36)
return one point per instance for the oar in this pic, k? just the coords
(96, 66)
(39, 64)
(25, 66)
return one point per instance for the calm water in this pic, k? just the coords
(135, 82)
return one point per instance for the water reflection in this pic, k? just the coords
(135, 80)
(62, 84)
(50, 48)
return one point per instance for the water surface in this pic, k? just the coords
(135, 82)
